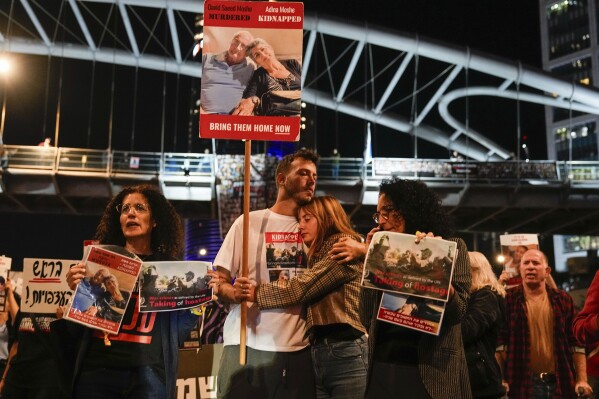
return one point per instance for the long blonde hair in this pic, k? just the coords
(482, 274)
(331, 218)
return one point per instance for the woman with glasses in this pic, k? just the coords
(331, 293)
(405, 362)
(141, 360)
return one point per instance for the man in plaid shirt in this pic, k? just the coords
(537, 352)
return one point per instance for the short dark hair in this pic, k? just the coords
(2, 280)
(419, 206)
(304, 153)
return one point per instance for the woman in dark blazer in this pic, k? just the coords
(407, 363)
(480, 329)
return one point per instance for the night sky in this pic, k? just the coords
(508, 29)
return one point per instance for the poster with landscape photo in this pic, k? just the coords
(396, 263)
(175, 285)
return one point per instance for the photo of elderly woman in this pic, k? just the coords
(275, 87)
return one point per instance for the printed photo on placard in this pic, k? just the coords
(285, 250)
(396, 263)
(424, 315)
(513, 246)
(283, 275)
(102, 296)
(174, 285)
(251, 70)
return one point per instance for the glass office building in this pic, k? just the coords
(570, 49)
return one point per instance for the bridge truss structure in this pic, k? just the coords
(414, 87)
(405, 83)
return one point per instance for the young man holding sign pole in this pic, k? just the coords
(278, 359)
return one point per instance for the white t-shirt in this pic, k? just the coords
(273, 330)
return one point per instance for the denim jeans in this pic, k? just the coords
(130, 383)
(340, 368)
(542, 389)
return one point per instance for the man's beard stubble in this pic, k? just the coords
(297, 195)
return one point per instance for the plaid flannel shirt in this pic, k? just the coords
(515, 339)
(331, 290)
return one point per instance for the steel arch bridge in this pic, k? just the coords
(405, 83)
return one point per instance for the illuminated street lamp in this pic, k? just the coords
(4, 66)
(4, 72)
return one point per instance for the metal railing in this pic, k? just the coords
(191, 165)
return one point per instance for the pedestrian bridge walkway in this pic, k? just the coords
(505, 196)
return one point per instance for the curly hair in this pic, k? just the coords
(285, 164)
(331, 218)
(167, 236)
(419, 206)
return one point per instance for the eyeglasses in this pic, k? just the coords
(124, 209)
(384, 214)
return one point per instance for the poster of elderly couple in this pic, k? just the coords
(251, 70)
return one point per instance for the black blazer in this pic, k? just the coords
(480, 329)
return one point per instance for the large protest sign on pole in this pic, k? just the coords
(255, 94)
(45, 285)
(251, 94)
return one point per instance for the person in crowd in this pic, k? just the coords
(114, 301)
(5, 327)
(3, 155)
(537, 352)
(279, 364)
(32, 370)
(586, 329)
(46, 143)
(225, 76)
(201, 283)
(275, 87)
(188, 286)
(480, 329)
(91, 290)
(141, 360)
(332, 296)
(405, 362)
(335, 162)
(7, 318)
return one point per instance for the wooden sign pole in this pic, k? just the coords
(244, 259)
